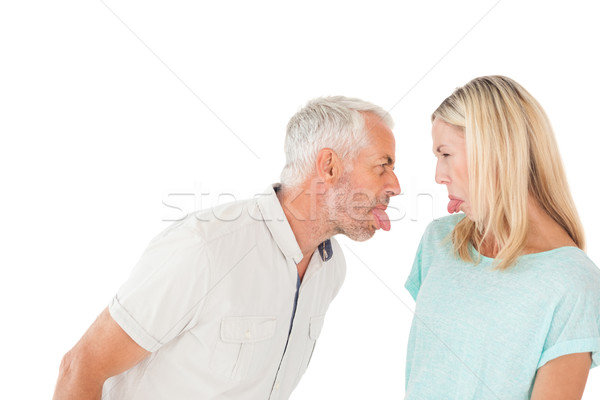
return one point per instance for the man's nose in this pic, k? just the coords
(393, 186)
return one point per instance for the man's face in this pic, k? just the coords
(358, 200)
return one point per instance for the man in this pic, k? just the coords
(229, 302)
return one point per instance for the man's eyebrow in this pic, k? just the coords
(388, 160)
(440, 147)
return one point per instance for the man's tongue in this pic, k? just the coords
(453, 206)
(382, 218)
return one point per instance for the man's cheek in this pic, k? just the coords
(358, 210)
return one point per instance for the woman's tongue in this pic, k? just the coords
(454, 205)
(382, 219)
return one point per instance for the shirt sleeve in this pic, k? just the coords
(165, 291)
(420, 266)
(575, 325)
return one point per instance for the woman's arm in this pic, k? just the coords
(562, 378)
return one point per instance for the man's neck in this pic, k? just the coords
(303, 210)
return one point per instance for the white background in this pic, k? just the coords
(107, 108)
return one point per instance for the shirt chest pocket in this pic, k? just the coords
(314, 331)
(243, 343)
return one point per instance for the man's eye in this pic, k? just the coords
(445, 155)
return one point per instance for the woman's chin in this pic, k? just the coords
(467, 212)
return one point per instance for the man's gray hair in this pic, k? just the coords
(334, 122)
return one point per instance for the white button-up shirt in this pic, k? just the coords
(212, 298)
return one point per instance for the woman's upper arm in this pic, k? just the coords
(562, 378)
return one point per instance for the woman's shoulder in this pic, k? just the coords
(437, 235)
(443, 226)
(568, 267)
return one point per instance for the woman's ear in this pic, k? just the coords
(329, 166)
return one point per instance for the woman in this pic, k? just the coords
(507, 302)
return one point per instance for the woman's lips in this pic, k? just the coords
(454, 205)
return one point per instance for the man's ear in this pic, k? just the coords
(329, 166)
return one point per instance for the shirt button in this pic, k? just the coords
(248, 334)
(277, 386)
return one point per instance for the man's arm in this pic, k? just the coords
(562, 378)
(104, 350)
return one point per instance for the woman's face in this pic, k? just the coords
(450, 148)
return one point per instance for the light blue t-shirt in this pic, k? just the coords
(480, 333)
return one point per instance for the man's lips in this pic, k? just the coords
(381, 217)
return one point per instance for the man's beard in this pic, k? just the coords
(349, 210)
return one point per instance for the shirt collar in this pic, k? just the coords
(325, 250)
(274, 217)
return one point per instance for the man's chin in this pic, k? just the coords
(361, 235)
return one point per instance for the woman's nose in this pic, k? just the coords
(441, 176)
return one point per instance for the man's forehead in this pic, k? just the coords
(383, 146)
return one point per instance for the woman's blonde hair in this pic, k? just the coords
(512, 154)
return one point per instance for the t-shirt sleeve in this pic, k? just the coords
(419, 267)
(165, 291)
(575, 325)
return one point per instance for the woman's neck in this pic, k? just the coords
(543, 234)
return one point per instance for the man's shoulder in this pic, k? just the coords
(223, 220)
(205, 229)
